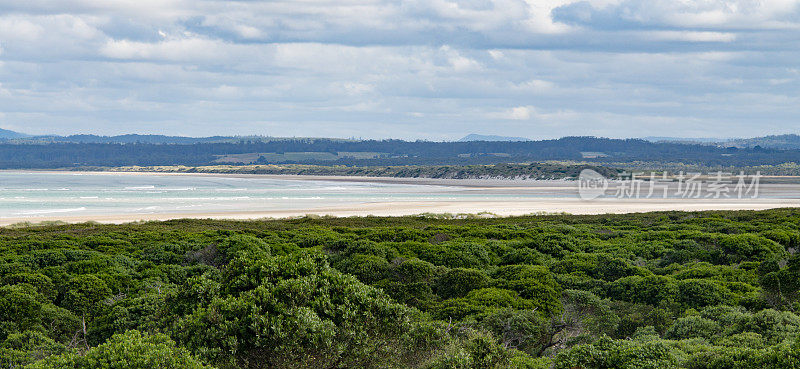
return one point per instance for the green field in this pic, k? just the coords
(656, 290)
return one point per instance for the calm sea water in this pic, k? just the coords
(36, 194)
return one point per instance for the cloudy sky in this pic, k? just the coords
(427, 69)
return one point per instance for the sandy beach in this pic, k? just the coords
(389, 197)
(405, 208)
(495, 208)
(471, 183)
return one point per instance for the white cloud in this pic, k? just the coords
(20, 29)
(249, 32)
(16, 28)
(411, 69)
(188, 48)
(718, 14)
(515, 113)
(459, 63)
(496, 54)
(183, 49)
(536, 85)
(539, 18)
(692, 36)
(356, 88)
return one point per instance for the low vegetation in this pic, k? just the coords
(658, 290)
(496, 171)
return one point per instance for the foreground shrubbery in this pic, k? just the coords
(660, 290)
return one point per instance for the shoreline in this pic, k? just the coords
(445, 182)
(395, 209)
(488, 183)
(544, 197)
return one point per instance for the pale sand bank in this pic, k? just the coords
(501, 208)
(476, 183)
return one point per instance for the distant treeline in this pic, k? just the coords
(394, 152)
(496, 171)
(782, 142)
(784, 169)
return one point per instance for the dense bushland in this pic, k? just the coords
(657, 290)
(143, 151)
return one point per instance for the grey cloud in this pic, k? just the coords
(735, 15)
(584, 13)
(414, 69)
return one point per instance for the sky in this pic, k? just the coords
(417, 69)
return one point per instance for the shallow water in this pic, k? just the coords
(34, 195)
(37, 194)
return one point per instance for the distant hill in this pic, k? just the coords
(778, 142)
(477, 137)
(156, 139)
(152, 139)
(703, 140)
(8, 134)
(135, 138)
(320, 151)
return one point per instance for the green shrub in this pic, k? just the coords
(693, 327)
(480, 302)
(28, 347)
(83, 293)
(414, 270)
(697, 293)
(367, 268)
(618, 354)
(749, 247)
(20, 310)
(749, 340)
(776, 357)
(43, 284)
(652, 290)
(534, 283)
(290, 311)
(775, 326)
(241, 245)
(459, 281)
(131, 350)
